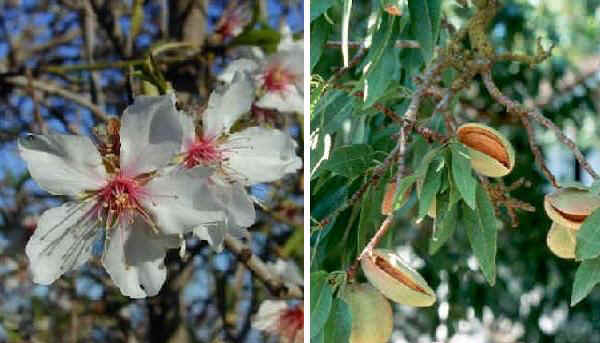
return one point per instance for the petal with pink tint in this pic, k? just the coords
(286, 100)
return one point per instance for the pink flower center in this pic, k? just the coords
(204, 151)
(291, 321)
(276, 78)
(120, 199)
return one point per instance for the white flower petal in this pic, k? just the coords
(287, 271)
(292, 61)
(242, 65)
(262, 155)
(268, 315)
(63, 164)
(181, 201)
(62, 241)
(188, 131)
(234, 199)
(134, 259)
(287, 100)
(214, 235)
(226, 105)
(150, 134)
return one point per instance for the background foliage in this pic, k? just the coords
(208, 297)
(530, 299)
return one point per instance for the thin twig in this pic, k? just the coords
(260, 270)
(535, 114)
(537, 154)
(427, 133)
(82, 100)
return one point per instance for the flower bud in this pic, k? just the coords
(372, 318)
(396, 280)
(491, 153)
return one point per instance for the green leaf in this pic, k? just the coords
(381, 75)
(382, 60)
(431, 185)
(319, 7)
(588, 238)
(404, 184)
(462, 175)
(351, 160)
(319, 32)
(346, 29)
(370, 214)
(586, 277)
(422, 169)
(137, 18)
(339, 326)
(327, 198)
(445, 224)
(481, 229)
(423, 14)
(595, 187)
(320, 338)
(320, 301)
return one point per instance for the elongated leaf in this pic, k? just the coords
(445, 224)
(346, 29)
(462, 175)
(401, 188)
(422, 27)
(351, 160)
(431, 154)
(381, 75)
(319, 7)
(383, 62)
(370, 215)
(137, 18)
(431, 185)
(481, 229)
(330, 196)
(588, 238)
(319, 31)
(320, 301)
(586, 277)
(595, 187)
(339, 326)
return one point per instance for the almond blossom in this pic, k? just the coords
(122, 193)
(233, 20)
(239, 159)
(280, 318)
(278, 77)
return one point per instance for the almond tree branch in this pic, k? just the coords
(534, 114)
(260, 270)
(82, 100)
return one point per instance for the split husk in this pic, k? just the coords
(396, 280)
(491, 153)
(569, 207)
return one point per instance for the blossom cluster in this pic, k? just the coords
(159, 175)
